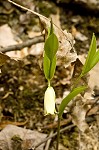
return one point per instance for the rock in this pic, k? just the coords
(17, 138)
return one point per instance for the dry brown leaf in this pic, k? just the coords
(76, 73)
(94, 77)
(90, 139)
(79, 114)
(66, 53)
(3, 59)
(6, 36)
(94, 110)
(78, 35)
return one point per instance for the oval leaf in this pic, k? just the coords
(46, 65)
(51, 46)
(52, 67)
(49, 67)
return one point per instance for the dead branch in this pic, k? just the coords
(28, 43)
(54, 125)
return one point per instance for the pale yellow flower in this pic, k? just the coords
(49, 101)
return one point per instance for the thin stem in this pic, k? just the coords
(49, 83)
(58, 133)
(76, 82)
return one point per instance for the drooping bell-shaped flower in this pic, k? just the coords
(49, 101)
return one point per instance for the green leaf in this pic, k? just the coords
(49, 67)
(52, 67)
(69, 97)
(95, 59)
(51, 46)
(46, 65)
(89, 59)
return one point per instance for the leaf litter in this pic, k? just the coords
(10, 82)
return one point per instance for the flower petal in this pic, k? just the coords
(49, 101)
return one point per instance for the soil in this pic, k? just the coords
(22, 83)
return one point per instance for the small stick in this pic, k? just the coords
(46, 139)
(39, 15)
(30, 42)
(49, 141)
(35, 13)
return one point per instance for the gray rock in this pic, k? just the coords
(17, 138)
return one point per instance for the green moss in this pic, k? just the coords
(65, 140)
(16, 138)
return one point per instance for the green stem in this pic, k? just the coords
(58, 133)
(76, 82)
(49, 84)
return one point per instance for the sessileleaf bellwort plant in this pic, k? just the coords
(49, 64)
(51, 47)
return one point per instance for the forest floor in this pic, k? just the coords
(22, 82)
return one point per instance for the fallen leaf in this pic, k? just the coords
(3, 59)
(78, 35)
(76, 73)
(94, 77)
(66, 53)
(6, 36)
(79, 114)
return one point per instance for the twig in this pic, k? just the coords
(43, 141)
(39, 15)
(48, 142)
(51, 133)
(35, 13)
(30, 42)
(58, 133)
(54, 125)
